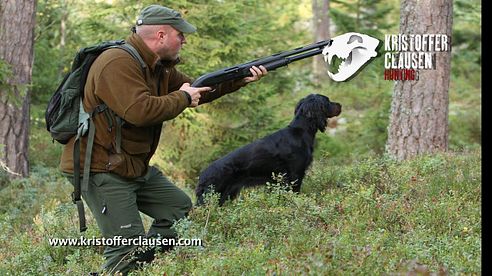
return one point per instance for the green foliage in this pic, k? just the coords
(467, 35)
(375, 216)
(33, 210)
(52, 57)
(465, 127)
(465, 119)
(5, 74)
(371, 17)
(466, 67)
(25, 197)
(43, 150)
(11, 90)
(4, 179)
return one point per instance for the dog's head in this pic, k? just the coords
(317, 109)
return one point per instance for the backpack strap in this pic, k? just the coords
(134, 53)
(130, 49)
(88, 152)
(86, 123)
(84, 187)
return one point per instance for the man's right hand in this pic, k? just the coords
(194, 92)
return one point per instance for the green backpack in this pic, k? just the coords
(65, 115)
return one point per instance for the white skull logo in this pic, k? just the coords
(353, 49)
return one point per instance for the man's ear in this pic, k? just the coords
(162, 32)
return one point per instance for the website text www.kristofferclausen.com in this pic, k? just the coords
(120, 241)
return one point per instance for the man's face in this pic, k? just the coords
(171, 42)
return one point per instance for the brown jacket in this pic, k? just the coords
(117, 80)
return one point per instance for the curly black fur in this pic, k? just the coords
(288, 151)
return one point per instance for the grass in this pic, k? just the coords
(375, 216)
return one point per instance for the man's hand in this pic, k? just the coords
(194, 92)
(258, 73)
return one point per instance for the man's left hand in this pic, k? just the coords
(258, 73)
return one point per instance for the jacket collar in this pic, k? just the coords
(150, 58)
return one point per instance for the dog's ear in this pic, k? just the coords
(321, 120)
(313, 107)
(305, 108)
(297, 111)
(322, 103)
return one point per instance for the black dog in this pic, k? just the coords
(288, 151)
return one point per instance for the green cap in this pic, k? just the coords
(159, 15)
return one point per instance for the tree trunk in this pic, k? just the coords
(63, 35)
(17, 19)
(321, 22)
(419, 110)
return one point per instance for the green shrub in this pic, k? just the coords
(43, 150)
(375, 216)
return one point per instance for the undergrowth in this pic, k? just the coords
(375, 216)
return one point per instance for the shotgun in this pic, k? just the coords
(271, 63)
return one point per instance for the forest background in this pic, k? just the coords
(359, 211)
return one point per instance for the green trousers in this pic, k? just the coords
(115, 202)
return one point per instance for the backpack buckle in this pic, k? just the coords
(100, 108)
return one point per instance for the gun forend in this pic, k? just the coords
(271, 63)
